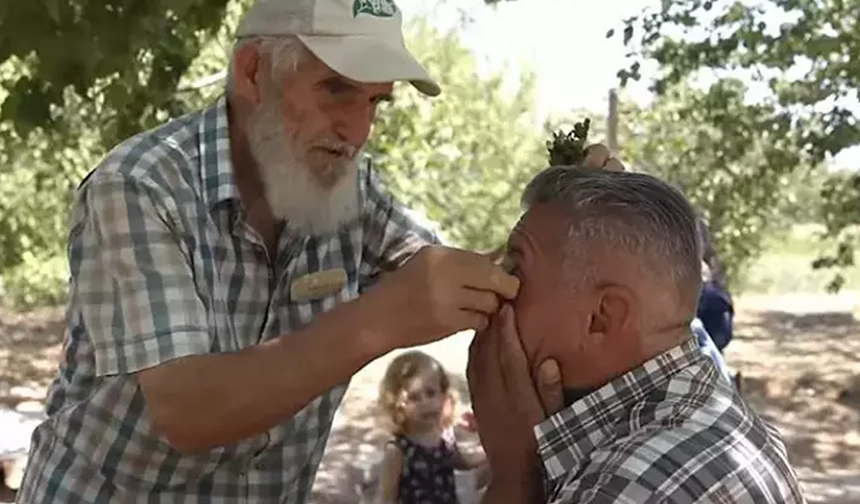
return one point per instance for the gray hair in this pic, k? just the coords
(633, 212)
(285, 53)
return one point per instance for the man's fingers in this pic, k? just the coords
(614, 165)
(473, 320)
(483, 363)
(479, 348)
(482, 302)
(515, 368)
(500, 282)
(599, 156)
(489, 278)
(549, 386)
(478, 272)
(596, 156)
(472, 366)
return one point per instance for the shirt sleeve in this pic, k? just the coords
(392, 234)
(132, 278)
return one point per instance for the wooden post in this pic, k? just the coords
(612, 122)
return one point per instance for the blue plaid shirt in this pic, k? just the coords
(163, 265)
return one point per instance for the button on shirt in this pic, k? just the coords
(163, 266)
(672, 431)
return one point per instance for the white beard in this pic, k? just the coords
(292, 191)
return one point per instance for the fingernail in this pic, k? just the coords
(549, 371)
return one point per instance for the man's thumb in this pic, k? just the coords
(549, 386)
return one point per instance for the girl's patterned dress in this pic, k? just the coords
(427, 474)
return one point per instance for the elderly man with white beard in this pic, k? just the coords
(217, 262)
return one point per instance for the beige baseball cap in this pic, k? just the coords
(359, 39)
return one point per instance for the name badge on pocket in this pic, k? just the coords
(318, 285)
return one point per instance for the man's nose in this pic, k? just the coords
(353, 125)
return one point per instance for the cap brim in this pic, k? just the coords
(370, 59)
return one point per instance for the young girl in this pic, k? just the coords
(419, 462)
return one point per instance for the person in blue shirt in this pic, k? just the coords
(716, 307)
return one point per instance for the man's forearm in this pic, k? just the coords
(200, 402)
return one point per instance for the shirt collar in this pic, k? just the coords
(216, 166)
(578, 429)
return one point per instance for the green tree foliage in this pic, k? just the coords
(56, 123)
(37, 175)
(78, 76)
(130, 56)
(805, 52)
(732, 160)
(462, 158)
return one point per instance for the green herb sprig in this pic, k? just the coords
(568, 149)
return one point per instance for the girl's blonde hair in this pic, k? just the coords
(403, 368)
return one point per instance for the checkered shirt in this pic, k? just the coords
(671, 431)
(163, 265)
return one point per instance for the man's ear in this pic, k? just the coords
(615, 313)
(247, 66)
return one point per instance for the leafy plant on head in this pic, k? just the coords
(568, 149)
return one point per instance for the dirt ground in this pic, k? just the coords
(798, 356)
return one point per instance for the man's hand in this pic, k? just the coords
(598, 156)
(508, 405)
(438, 292)
(497, 255)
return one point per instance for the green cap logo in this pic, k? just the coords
(376, 8)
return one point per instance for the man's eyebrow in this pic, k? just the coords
(515, 240)
(336, 80)
(513, 253)
(383, 97)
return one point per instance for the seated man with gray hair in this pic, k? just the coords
(610, 271)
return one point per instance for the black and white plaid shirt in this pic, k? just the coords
(671, 431)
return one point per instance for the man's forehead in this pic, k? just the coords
(538, 222)
(540, 231)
